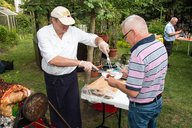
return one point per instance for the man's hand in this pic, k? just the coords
(87, 66)
(112, 82)
(179, 31)
(124, 73)
(104, 47)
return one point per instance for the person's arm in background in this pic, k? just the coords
(175, 33)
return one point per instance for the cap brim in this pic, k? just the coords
(67, 21)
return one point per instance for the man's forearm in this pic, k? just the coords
(98, 40)
(63, 62)
(172, 34)
(129, 92)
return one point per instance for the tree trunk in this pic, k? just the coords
(90, 49)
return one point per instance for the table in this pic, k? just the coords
(120, 101)
(160, 39)
(184, 39)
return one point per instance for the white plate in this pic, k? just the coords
(118, 75)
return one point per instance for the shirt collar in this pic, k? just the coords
(53, 30)
(143, 41)
(170, 23)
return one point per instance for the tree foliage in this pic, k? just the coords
(180, 9)
(23, 24)
(157, 26)
(7, 5)
(102, 10)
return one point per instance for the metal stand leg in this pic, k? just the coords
(188, 47)
(20, 122)
(178, 41)
(119, 118)
(101, 125)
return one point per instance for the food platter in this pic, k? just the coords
(117, 75)
(101, 88)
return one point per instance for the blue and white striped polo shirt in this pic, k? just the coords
(147, 69)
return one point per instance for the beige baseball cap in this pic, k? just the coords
(63, 15)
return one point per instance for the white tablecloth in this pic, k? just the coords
(119, 99)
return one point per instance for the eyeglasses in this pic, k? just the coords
(127, 33)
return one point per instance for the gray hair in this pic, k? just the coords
(135, 22)
(174, 18)
(54, 19)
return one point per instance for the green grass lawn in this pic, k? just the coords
(176, 112)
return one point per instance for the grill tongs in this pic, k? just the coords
(102, 71)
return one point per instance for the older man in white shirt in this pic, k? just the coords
(58, 43)
(170, 33)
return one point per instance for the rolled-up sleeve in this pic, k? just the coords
(86, 38)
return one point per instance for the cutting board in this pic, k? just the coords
(100, 87)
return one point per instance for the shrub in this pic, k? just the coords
(122, 44)
(8, 38)
(3, 33)
(157, 26)
(12, 37)
(23, 24)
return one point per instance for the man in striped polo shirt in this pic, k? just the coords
(145, 75)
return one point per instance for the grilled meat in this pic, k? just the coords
(10, 94)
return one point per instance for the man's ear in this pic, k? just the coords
(134, 33)
(53, 20)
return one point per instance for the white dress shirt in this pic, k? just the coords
(51, 45)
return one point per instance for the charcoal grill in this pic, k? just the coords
(33, 109)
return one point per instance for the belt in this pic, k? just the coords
(157, 97)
